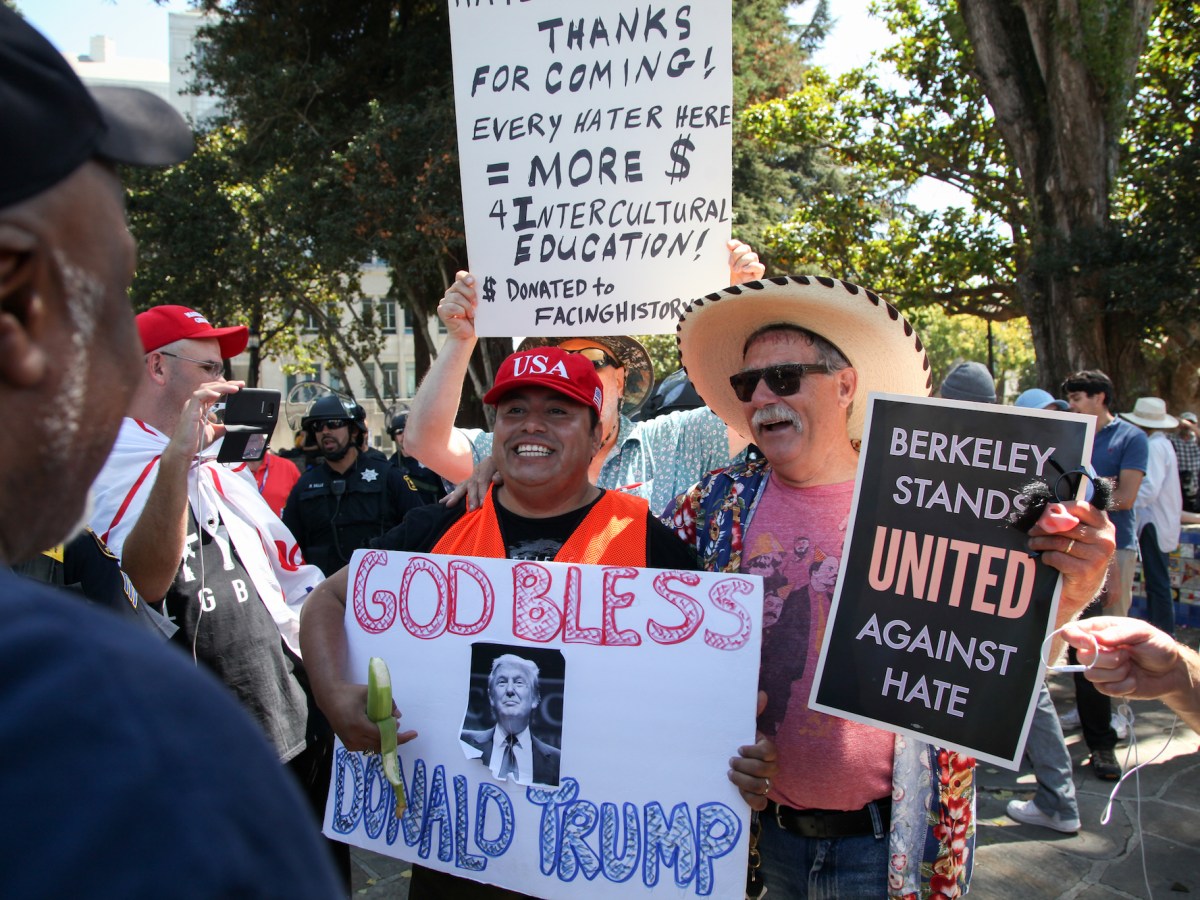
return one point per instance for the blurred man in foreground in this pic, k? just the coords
(113, 742)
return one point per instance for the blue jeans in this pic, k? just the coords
(1157, 579)
(1047, 753)
(796, 866)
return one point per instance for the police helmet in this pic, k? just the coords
(333, 407)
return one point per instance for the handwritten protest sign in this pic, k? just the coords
(940, 612)
(646, 687)
(595, 152)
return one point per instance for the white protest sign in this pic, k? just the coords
(647, 686)
(594, 145)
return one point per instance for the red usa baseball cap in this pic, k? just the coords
(162, 325)
(52, 124)
(570, 374)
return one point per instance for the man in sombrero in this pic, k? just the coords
(789, 363)
(655, 459)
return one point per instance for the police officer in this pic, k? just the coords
(427, 482)
(337, 507)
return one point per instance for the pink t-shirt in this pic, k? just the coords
(795, 542)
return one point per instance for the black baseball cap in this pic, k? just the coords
(52, 123)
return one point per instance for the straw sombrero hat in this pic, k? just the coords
(871, 333)
(639, 370)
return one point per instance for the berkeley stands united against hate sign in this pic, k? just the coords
(941, 606)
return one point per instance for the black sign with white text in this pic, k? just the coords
(940, 613)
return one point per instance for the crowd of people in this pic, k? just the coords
(232, 737)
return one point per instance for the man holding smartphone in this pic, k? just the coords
(199, 539)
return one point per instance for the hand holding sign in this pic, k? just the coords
(457, 309)
(744, 264)
(1081, 553)
(752, 768)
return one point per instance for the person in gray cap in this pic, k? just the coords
(167, 754)
(1187, 454)
(969, 381)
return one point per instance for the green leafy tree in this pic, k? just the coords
(340, 147)
(1157, 203)
(1020, 105)
(210, 239)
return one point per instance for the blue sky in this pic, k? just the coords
(140, 28)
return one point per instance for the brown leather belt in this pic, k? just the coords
(830, 823)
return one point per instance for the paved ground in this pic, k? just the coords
(1149, 848)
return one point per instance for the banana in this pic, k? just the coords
(379, 711)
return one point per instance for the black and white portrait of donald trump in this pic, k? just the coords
(509, 748)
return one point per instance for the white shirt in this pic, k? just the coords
(265, 547)
(1159, 498)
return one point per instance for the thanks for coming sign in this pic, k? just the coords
(595, 153)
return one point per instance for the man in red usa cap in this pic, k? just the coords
(198, 538)
(548, 404)
(162, 325)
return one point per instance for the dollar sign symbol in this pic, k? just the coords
(489, 289)
(681, 167)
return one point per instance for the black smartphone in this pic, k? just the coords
(250, 417)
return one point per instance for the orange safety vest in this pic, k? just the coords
(613, 533)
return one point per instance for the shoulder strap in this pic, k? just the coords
(477, 533)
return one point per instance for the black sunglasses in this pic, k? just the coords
(331, 424)
(783, 380)
(597, 357)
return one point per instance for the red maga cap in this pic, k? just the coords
(162, 325)
(570, 374)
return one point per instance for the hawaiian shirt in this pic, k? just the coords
(932, 835)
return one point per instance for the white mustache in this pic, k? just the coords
(773, 414)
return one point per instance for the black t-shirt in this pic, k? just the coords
(224, 625)
(528, 538)
(129, 773)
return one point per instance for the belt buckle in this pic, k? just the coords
(779, 816)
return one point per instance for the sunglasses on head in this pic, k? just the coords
(331, 424)
(783, 380)
(597, 357)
